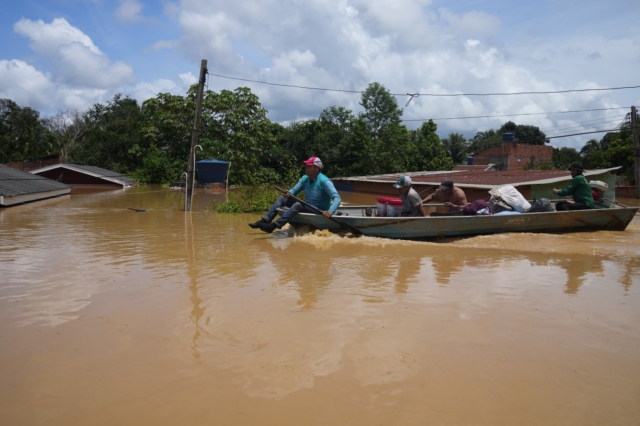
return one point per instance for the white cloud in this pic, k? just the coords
(129, 11)
(24, 84)
(75, 59)
(27, 86)
(46, 38)
(471, 24)
(406, 45)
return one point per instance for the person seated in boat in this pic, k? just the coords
(452, 196)
(579, 189)
(411, 200)
(598, 189)
(318, 190)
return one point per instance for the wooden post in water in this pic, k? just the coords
(636, 147)
(194, 138)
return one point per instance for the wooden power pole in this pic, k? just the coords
(194, 139)
(636, 147)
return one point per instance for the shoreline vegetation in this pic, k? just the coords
(150, 142)
(247, 199)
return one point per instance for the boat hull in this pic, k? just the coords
(614, 219)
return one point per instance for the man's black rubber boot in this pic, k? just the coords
(267, 227)
(255, 225)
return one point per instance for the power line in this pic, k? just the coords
(518, 115)
(426, 94)
(583, 133)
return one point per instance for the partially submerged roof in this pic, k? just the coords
(96, 172)
(480, 178)
(17, 186)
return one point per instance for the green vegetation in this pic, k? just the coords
(151, 141)
(248, 199)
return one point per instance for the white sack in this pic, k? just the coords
(512, 197)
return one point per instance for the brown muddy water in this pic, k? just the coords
(109, 316)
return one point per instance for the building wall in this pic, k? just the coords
(514, 156)
(625, 191)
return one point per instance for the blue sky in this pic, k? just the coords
(70, 54)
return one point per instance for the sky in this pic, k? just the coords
(70, 54)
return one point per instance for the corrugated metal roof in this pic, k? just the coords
(480, 178)
(16, 182)
(91, 170)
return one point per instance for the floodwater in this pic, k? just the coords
(111, 316)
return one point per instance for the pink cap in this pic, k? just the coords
(313, 161)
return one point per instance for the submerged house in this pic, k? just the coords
(17, 187)
(84, 176)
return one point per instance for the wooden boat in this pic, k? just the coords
(363, 218)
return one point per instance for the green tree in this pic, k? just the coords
(483, 141)
(233, 127)
(381, 108)
(428, 152)
(565, 157)
(22, 134)
(524, 134)
(387, 148)
(456, 147)
(114, 136)
(67, 128)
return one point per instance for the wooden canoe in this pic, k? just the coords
(612, 219)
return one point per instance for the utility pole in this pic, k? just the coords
(636, 147)
(194, 139)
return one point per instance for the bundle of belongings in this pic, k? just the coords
(508, 200)
(477, 207)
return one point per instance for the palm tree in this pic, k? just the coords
(456, 146)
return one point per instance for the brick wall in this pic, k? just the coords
(514, 156)
(33, 165)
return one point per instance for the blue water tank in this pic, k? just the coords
(508, 137)
(212, 171)
(469, 161)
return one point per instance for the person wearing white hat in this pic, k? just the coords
(318, 190)
(598, 188)
(411, 200)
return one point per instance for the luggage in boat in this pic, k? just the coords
(477, 207)
(499, 205)
(512, 197)
(541, 205)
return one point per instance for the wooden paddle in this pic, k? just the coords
(349, 228)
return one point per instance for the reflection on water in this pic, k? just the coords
(193, 308)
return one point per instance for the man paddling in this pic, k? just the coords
(452, 197)
(318, 190)
(411, 201)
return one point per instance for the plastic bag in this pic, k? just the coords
(512, 197)
(541, 205)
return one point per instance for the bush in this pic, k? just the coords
(247, 199)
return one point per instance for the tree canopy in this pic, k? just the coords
(151, 141)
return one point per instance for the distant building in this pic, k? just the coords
(514, 156)
(84, 176)
(17, 187)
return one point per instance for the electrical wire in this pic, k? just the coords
(427, 94)
(517, 115)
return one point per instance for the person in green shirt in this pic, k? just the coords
(579, 189)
